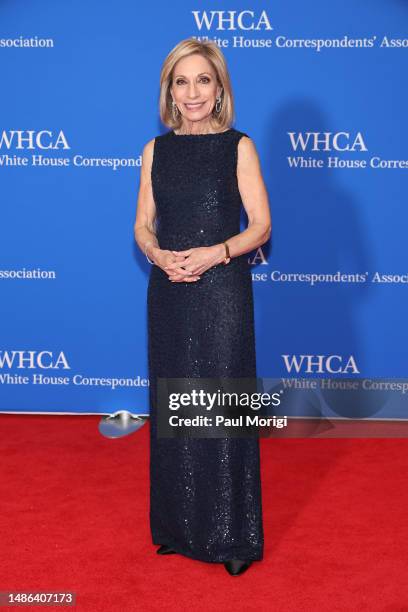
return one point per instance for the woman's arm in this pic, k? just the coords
(255, 201)
(144, 227)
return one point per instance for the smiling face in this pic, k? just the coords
(195, 89)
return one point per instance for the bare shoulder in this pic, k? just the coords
(246, 145)
(148, 148)
(147, 156)
(247, 155)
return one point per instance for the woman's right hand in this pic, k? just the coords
(164, 257)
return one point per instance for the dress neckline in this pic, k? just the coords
(200, 135)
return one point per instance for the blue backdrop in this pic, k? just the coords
(322, 90)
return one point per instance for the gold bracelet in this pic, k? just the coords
(227, 253)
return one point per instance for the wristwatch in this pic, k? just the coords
(227, 254)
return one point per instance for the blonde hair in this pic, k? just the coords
(213, 54)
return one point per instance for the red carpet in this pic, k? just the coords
(75, 518)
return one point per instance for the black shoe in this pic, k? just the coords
(235, 567)
(165, 550)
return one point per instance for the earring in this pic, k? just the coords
(174, 110)
(218, 104)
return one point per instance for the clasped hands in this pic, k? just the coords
(188, 265)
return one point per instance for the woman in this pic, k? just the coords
(205, 494)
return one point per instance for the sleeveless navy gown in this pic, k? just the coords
(205, 493)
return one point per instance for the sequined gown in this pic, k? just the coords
(205, 494)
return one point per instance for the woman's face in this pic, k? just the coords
(194, 88)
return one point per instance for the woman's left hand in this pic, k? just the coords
(197, 260)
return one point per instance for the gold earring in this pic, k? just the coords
(174, 110)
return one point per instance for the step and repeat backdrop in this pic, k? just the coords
(321, 87)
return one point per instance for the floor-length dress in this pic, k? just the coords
(205, 494)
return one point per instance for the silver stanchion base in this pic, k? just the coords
(121, 423)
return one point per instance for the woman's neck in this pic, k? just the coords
(197, 128)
